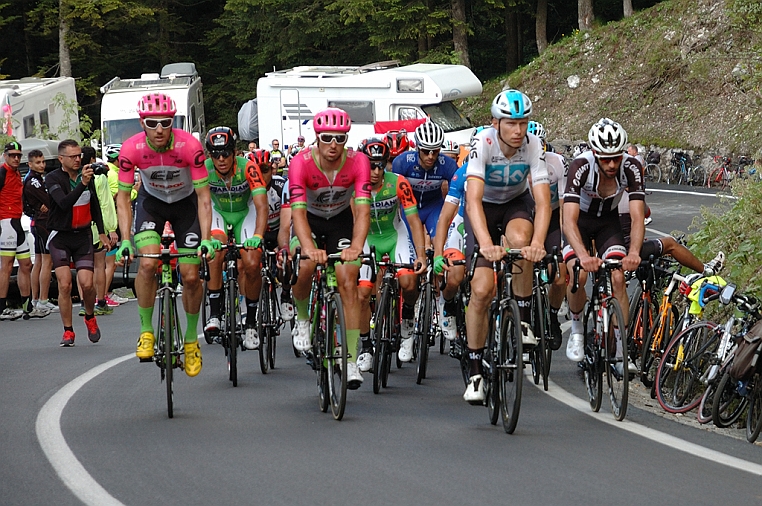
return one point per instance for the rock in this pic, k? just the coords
(573, 81)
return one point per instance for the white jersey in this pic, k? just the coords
(505, 179)
(556, 178)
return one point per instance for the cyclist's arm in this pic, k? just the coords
(410, 208)
(204, 211)
(638, 228)
(541, 193)
(124, 213)
(449, 210)
(284, 233)
(258, 196)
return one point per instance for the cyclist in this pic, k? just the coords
(391, 195)
(176, 189)
(320, 184)
(451, 149)
(428, 171)
(595, 184)
(499, 208)
(398, 143)
(239, 198)
(275, 185)
(450, 244)
(556, 178)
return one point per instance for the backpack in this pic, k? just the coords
(654, 157)
(746, 354)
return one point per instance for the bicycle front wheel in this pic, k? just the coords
(510, 364)
(704, 414)
(540, 351)
(754, 411)
(336, 355)
(168, 332)
(698, 176)
(491, 373)
(424, 330)
(652, 173)
(264, 325)
(658, 336)
(616, 353)
(231, 332)
(381, 337)
(592, 365)
(727, 404)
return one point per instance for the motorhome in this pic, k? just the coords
(288, 99)
(37, 107)
(119, 114)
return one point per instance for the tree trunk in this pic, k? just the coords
(422, 46)
(541, 26)
(627, 8)
(64, 58)
(460, 31)
(511, 40)
(585, 14)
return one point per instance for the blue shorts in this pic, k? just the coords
(430, 216)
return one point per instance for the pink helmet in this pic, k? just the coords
(156, 104)
(331, 120)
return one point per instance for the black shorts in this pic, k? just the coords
(151, 214)
(498, 216)
(651, 247)
(72, 246)
(271, 240)
(605, 230)
(40, 233)
(554, 232)
(333, 234)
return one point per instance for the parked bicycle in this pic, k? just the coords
(721, 176)
(682, 171)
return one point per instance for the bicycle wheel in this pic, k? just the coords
(540, 327)
(336, 355)
(698, 175)
(727, 404)
(491, 374)
(205, 313)
(231, 308)
(658, 336)
(423, 330)
(168, 333)
(685, 359)
(510, 364)
(616, 353)
(592, 366)
(638, 328)
(275, 322)
(381, 335)
(674, 175)
(754, 411)
(652, 173)
(264, 325)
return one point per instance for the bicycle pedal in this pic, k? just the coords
(146, 359)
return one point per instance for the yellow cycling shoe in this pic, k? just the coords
(192, 359)
(145, 345)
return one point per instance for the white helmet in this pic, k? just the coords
(607, 138)
(536, 128)
(429, 135)
(511, 104)
(450, 147)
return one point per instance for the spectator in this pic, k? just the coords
(13, 243)
(632, 150)
(277, 156)
(36, 199)
(252, 146)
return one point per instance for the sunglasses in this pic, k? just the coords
(429, 152)
(13, 155)
(609, 159)
(220, 154)
(328, 138)
(376, 166)
(153, 123)
(78, 155)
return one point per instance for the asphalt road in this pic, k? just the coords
(107, 438)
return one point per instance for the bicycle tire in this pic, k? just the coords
(592, 367)
(618, 382)
(683, 363)
(754, 410)
(674, 175)
(510, 365)
(230, 330)
(204, 312)
(728, 404)
(380, 337)
(637, 328)
(704, 412)
(275, 322)
(169, 340)
(652, 173)
(336, 354)
(539, 310)
(662, 331)
(491, 374)
(264, 320)
(698, 176)
(424, 329)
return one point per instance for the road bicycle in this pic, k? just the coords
(328, 353)
(169, 345)
(385, 322)
(681, 171)
(541, 354)
(605, 342)
(652, 173)
(426, 321)
(458, 346)
(269, 320)
(721, 176)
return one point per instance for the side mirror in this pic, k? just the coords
(726, 296)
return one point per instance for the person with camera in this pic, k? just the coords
(73, 207)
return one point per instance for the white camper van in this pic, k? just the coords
(119, 114)
(288, 99)
(36, 105)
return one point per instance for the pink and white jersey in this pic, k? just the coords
(310, 189)
(169, 175)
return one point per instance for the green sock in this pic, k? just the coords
(302, 309)
(190, 332)
(353, 339)
(146, 319)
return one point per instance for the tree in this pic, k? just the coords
(512, 44)
(627, 4)
(64, 57)
(541, 25)
(460, 31)
(585, 14)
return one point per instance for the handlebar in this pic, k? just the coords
(608, 265)
(332, 258)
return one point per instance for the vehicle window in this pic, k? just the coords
(29, 126)
(44, 118)
(361, 112)
(119, 130)
(193, 116)
(447, 116)
(405, 113)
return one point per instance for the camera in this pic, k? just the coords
(100, 169)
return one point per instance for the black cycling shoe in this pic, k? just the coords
(555, 331)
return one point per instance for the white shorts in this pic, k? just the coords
(13, 239)
(456, 235)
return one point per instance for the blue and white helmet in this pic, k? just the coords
(537, 129)
(511, 104)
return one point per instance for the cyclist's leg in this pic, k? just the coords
(558, 280)
(214, 285)
(364, 290)
(301, 293)
(575, 345)
(251, 273)
(454, 249)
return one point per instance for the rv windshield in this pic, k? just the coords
(119, 130)
(447, 116)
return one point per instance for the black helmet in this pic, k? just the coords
(220, 139)
(376, 149)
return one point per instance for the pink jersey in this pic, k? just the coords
(169, 175)
(310, 189)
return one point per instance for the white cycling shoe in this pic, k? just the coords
(474, 393)
(301, 337)
(575, 348)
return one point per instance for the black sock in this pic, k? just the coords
(475, 359)
(251, 312)
(215, 302)
(285, 294)
(89, 316)
(366, 343)
(26, 305)
(450, 307)
(3, 304)
(525, 308)
(70, 329)
(102, 303)
(408, 312)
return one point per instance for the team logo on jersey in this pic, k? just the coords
(165, 174)
(506, 175)
(191, 240)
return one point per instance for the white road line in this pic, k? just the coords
(67, 466)
(682, 192)
(583, 406)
